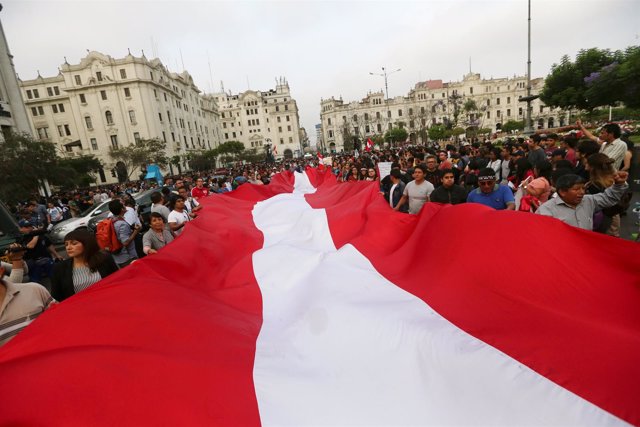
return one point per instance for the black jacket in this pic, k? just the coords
(455, 195)
(62, 280)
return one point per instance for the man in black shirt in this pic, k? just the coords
(448, 192)
(40, 253)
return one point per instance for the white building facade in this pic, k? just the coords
(495, 101)
(13, 114)
(103, 103)
(259, 118)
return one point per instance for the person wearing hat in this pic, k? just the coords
(575, 208)
(491, 194)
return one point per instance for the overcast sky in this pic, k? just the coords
(323, 48)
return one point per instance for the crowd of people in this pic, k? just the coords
(578, 178)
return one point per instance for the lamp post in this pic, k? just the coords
(528, 128)
(385, 74)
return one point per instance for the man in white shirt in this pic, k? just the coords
(610, 142)
(191, 205)
(417, 191)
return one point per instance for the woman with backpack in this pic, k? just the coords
(86, 265)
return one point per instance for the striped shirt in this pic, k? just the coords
(83, 277)
(22, 304)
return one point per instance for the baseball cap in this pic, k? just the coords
(24, 223)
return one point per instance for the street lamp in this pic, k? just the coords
(386, 89)
(528, 127)
(385, 75)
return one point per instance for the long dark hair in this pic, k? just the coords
(92, 253)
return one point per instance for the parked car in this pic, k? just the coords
(61, 229)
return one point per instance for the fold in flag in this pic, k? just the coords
(369, 145)
(307, 302)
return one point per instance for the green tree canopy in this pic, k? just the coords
(396, 135)
(598, 77)
(512, 125)
(437, 132)
(23, 162)
(232, 148)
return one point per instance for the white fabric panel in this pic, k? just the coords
(341, 345)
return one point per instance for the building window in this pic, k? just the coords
(127, 92)
(164, 136)
(224, 125)
(67, 131)
(160, 117)
(173, 137)
(498, 113)
(77, 79)
(60, 130)
(83, 99)
(132, 117)
(109, 117)
(136, 137)
(520, 111)
(87, 121)
(29, 94)
(279, 128)
(103, 95)
(541, 108)
(389, 114)
(508, 112)
(367, 129)
(94, 144)
(99, 76)
(329, 121)
(41, 110)
(330, 134)
(54, 107)
(508, 100)
(151, 74)
(114, 142)
(355, 117)
(471, 90)
(498, 101)
(379, 127)
(49, 91)
(234, 134)
(277, 108)
(377, 114)
(226, 136)
(399, 113)
(36, 94)
(43, 133)
(278, 119)
(488, 114)
(281, 141)
(123, 73)
(488, 102)
(61, 108)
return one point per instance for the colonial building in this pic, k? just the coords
(472, 103)
(104, 103)
(257, 118)
(13, 115)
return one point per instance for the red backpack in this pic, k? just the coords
(107, 237)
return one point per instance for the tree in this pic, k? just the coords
(142, 152)
(24, 161)
(567, 85)
(398, 134)
(76, 171)
(437, 132)
(512, 125)
(232, 148)
(204, 160)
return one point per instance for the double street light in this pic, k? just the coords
(385, 74)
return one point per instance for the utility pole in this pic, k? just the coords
(528, 128)
(386, 89)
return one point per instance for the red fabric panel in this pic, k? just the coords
(169, 340)
(560, 300)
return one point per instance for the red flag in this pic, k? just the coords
(268, 308)
(369, 145)
(320, 156)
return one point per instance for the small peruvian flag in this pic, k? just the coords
(369, 145)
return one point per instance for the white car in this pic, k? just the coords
(61, 229)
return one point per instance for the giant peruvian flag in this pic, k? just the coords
(307, 302)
